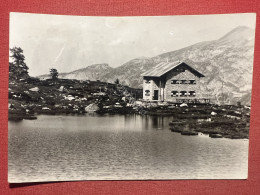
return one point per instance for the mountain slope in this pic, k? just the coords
(130, 72)
(93, 73)
(226, 62)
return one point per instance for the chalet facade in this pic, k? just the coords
(172, 82)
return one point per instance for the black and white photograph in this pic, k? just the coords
(129, 97)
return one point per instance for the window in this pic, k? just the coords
(183, 93)
(192, 93)
(187, 82)
(174, 93)
(180, 70)
(147, 81)
(193, 82)
(147, 92)
(174, 82)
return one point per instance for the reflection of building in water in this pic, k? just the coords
(153, 122)
(138, 122)
(131, 121)
(173, 82)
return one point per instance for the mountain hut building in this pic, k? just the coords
(173, 82)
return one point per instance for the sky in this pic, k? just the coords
(68, 43)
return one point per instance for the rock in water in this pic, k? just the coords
(215, 135)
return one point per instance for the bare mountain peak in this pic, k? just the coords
(142, 58)
(99, 66)
(238, 33)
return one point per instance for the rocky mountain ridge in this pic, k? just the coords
(227, 64)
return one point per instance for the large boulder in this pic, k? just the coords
(184, 105)
(61, 88)
(91, 108)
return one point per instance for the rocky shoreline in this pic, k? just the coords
(230, 123)
(214, 129)
(216, 121)
(30, 96)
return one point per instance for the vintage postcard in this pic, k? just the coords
(129, 98)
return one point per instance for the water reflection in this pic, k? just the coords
(154, 122)
(117, 147)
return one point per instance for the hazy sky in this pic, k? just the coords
(72, 42)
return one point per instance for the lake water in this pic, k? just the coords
(117, 147)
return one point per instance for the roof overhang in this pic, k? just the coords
(164, 67)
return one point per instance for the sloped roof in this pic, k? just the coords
(164, 67)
